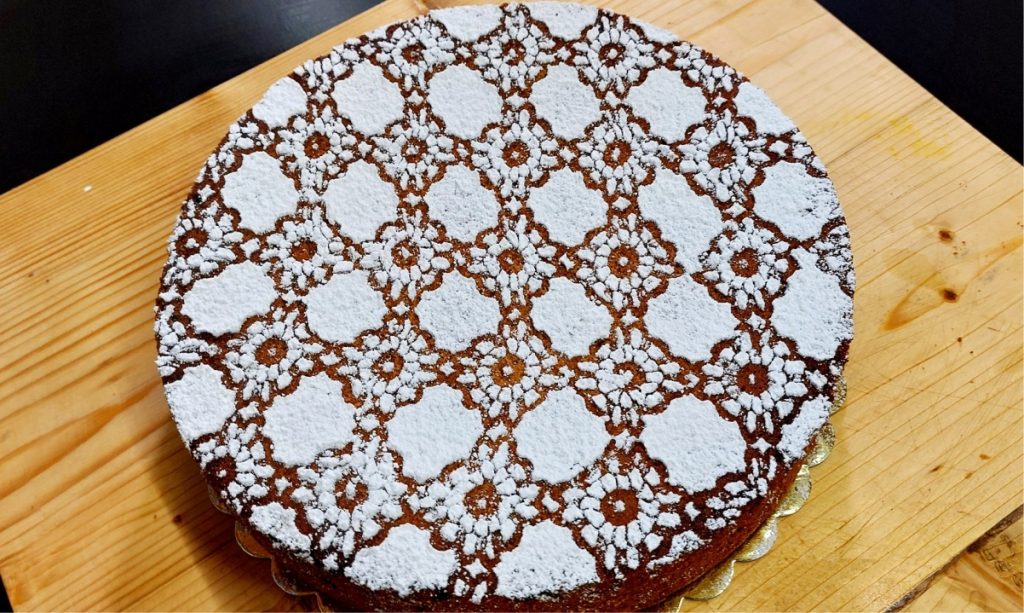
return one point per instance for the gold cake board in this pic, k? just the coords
(711, 585)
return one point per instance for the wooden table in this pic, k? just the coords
(102, 508)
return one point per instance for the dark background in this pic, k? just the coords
(75, 74)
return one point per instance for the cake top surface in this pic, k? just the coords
(504, 302)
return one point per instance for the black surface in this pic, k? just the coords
(5, 603)
(967, 53)
(75, 74)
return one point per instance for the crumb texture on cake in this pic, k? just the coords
(512, 307)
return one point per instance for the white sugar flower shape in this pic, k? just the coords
(269, 353)
(628, 375)
(390, 365)
(506, 374)
(621, 512)
(320, 75)
(737, 494)
(316, 150)
(515, 53)
(746, 263)
(242, 137)
(694, 63)
(612, 54)
(251, 472)
(618, 156)
(411, 49)
(414, 150)
(176, 347)
(350, 497)
(201, 243)
(480, 505)
(304, 250)
(724, 158)
(515, 154)
(624, 261)
(513, 261)
(761, 381)
(409, 256)
(834, 255)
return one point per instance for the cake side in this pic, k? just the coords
(641, 591)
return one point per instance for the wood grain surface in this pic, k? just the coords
(987, 577)
(102, 508)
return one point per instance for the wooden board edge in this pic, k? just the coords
(904, 601)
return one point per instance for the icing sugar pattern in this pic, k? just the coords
(366, 198)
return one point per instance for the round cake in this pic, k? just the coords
(519, 307)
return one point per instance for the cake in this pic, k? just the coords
(519, 307)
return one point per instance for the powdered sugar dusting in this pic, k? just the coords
(695, 443)
(368, 99)
(404, 562)
(752, 102)
(199, 402)
(706, 322)
(566, 208)
(456, 313)
(566, 103)
(360, 202)
(344, 307)
(547, 561)
(221, 304)
(259, 191)
(314, 418)
(284, 100)
(278, 523)
(464, 101)
(570, 318)
(798, 433)
(468, 23)
(814, 311)
(564, 20)
(542, 440)
(798, 203)
(433, 433)
(462, 204)
(669, 105)
(687, 219)
(503, 302)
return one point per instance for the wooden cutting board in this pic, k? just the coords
(102, 508)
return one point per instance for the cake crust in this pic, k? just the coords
(513, 308)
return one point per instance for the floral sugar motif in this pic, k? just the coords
(505, 284)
